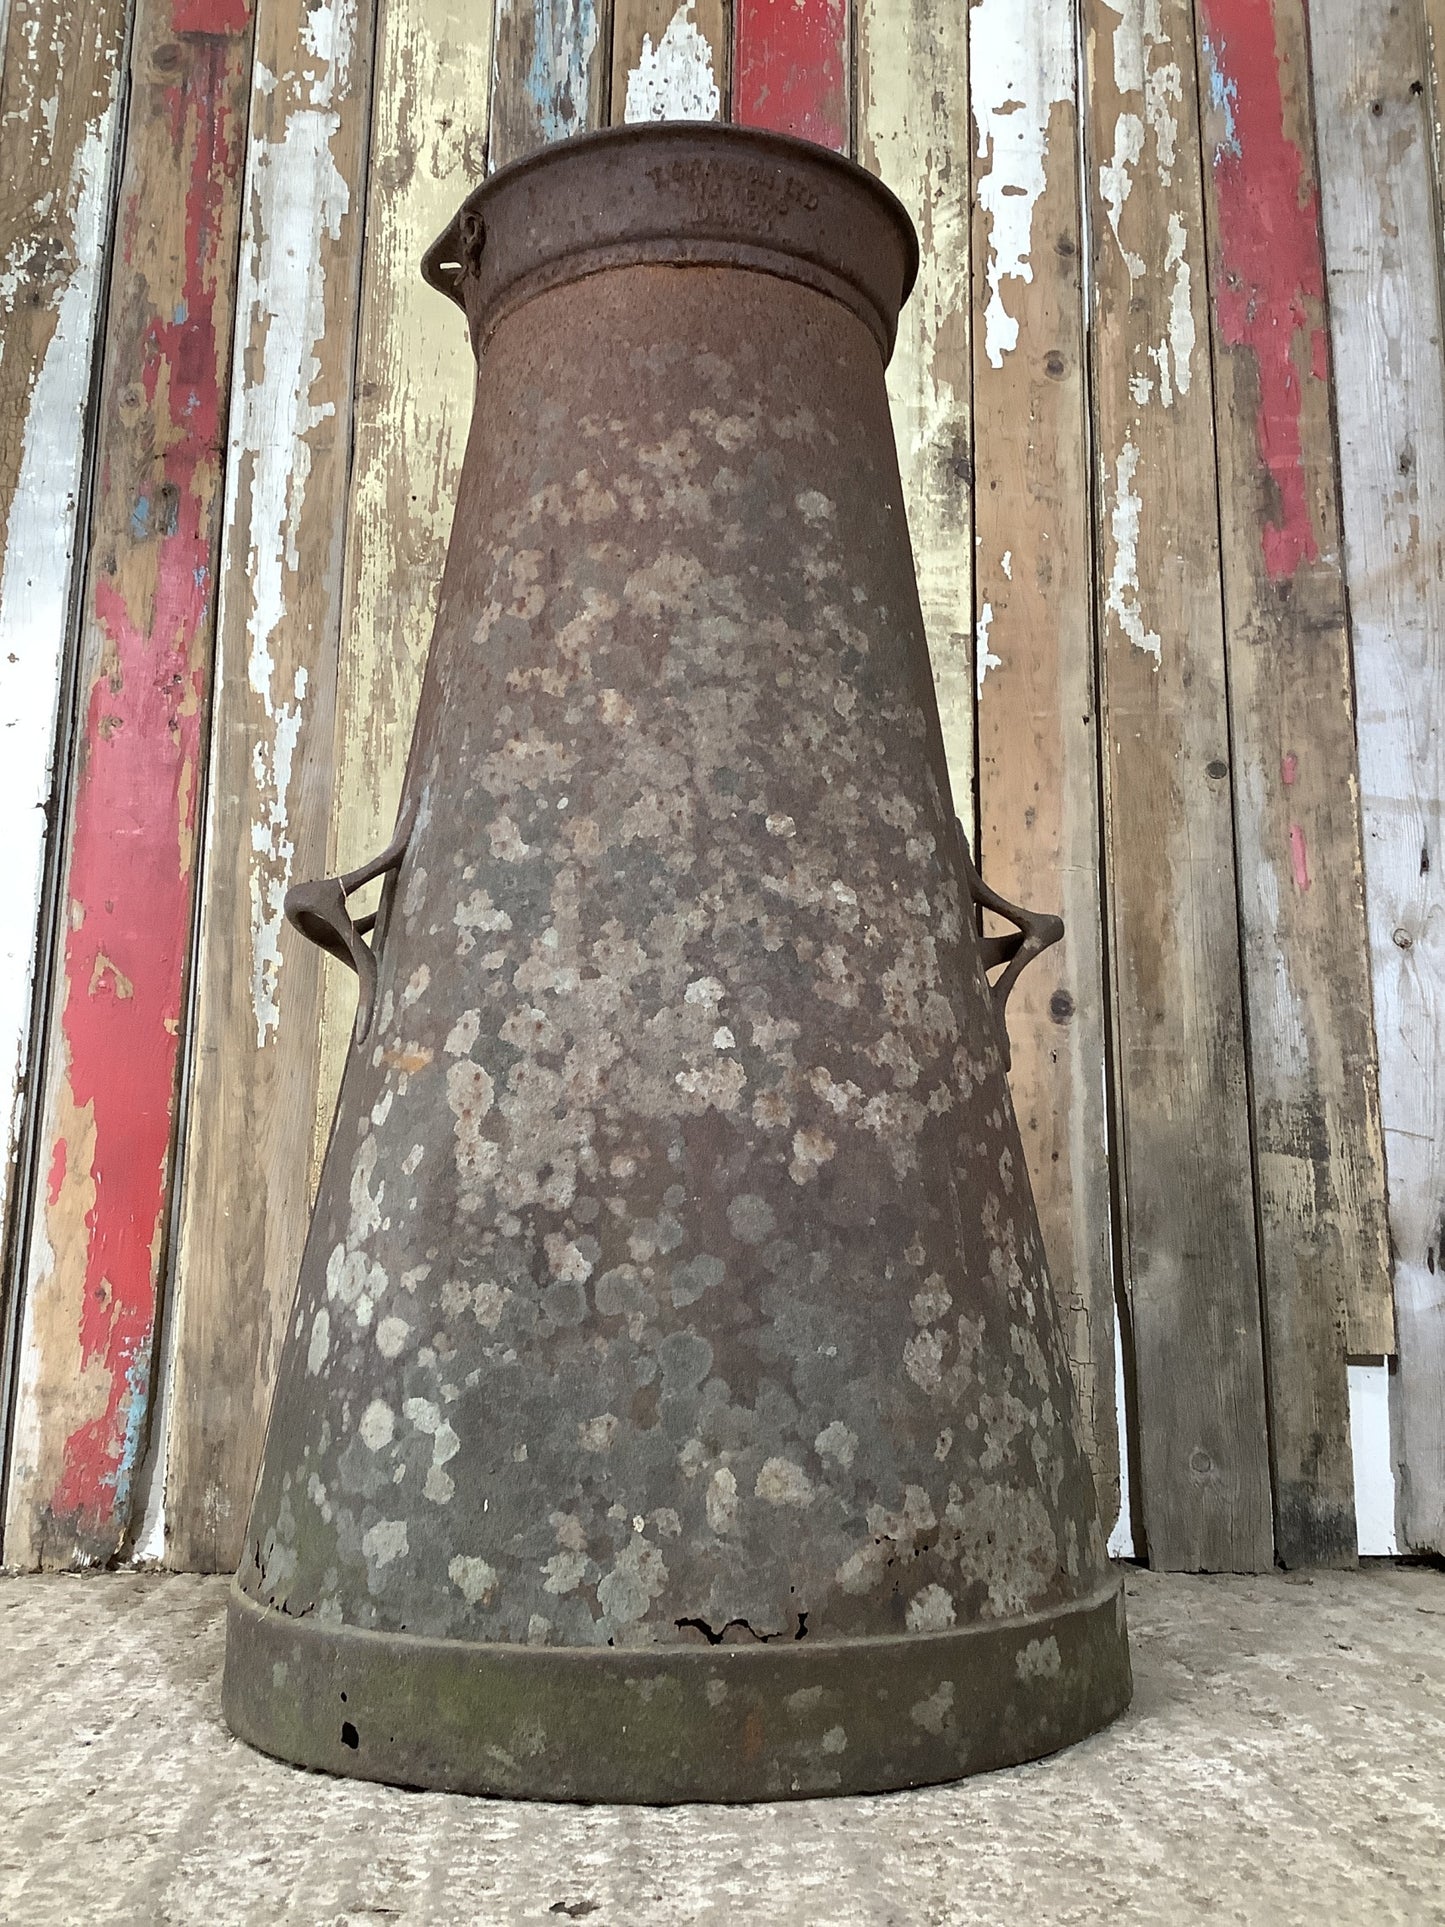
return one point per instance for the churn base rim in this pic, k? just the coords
(668, 1725)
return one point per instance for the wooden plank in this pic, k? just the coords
(1188, 1220)
(111, 1048)
(1037, 724)
(58, 125)
(1379, 204)
(912, 131)
(1320, 1180)
(790, 69)
(254, 1074)
(414, 380)
(669, 61)
(552, 74)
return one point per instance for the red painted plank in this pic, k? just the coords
(1269, 298)
(114, 1044)
(1318, 1157)
(790, 69)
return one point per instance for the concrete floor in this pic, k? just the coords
(1284, 1761)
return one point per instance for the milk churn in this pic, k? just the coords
(673, 1406)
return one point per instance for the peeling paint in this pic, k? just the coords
(296, 200)
(39, 549)
(1021, 67)
(1181, 336)
(1116, 182)
(562, 53)
(1269, 300)
(1122, 600)
(675, 79)
(986, 658)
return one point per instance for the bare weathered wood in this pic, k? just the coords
(1319, 1175)
(414, 380)
(110, 1051)
(912, 131)
(1037, 726)
(255, 1064)
(553, 66)
(669, 60)
(791, 68)
(1372, 103)
(1189, 1240)
(58, 126)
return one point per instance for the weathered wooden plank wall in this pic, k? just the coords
(1152, 608)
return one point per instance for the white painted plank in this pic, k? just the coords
(1370, 1443)
(1378, 204)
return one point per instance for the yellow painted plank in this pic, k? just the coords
(414, 380)
(911, 129)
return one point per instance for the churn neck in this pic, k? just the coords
(678, 194)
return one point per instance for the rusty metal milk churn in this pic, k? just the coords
(673, 1406)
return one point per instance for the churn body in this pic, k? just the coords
(673, 1405)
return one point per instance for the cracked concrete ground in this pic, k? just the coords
(1284, 1761)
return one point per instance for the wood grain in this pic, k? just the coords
(912, 131)
(96, 1244)
(245, 1201)
(1037, 722)
(790, 69)
(414, 380)
(669, 60)
(1188, 1221)
(58, 127)
(552, 74)
(1320, 1180)
(1372, 103)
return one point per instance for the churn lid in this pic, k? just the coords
(682, 194)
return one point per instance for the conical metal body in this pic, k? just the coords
(674, 1406)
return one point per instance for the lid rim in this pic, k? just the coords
(445, 264)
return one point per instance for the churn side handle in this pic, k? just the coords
(318, 910)
(455, 254)
(1035, 931)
